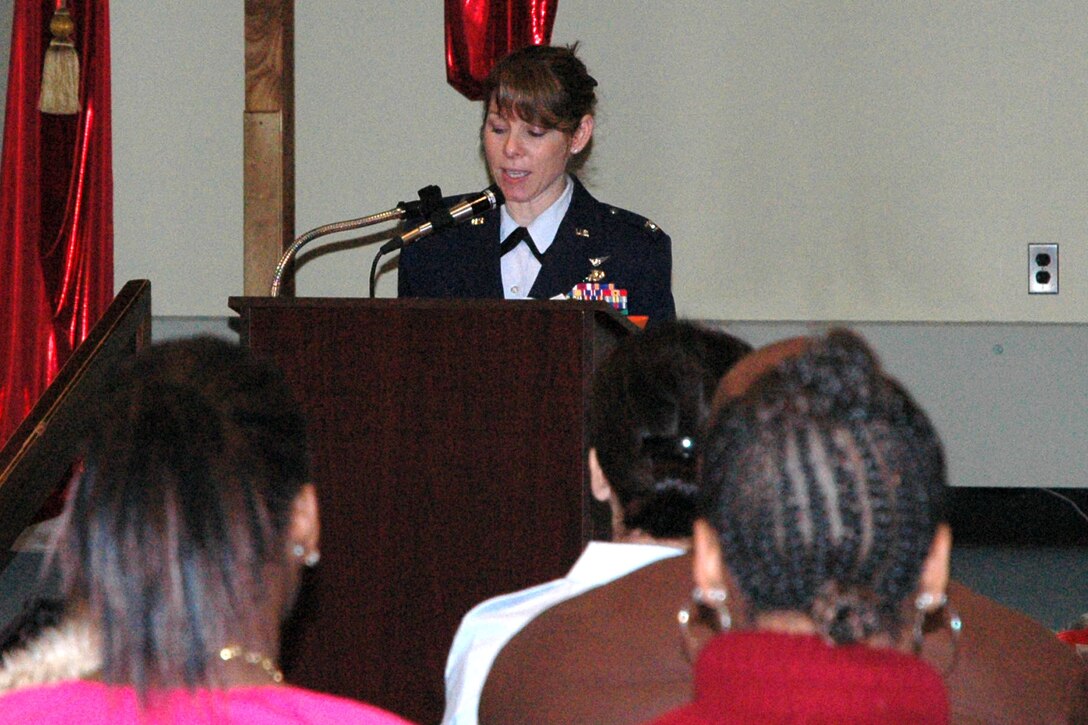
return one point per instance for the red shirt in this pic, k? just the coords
(767, 677)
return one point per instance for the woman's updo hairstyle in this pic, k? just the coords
(545, 85)
(649, 401)
(825, 483)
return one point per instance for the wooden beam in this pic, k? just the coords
(268, 140)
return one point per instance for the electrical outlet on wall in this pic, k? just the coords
(1043, 269)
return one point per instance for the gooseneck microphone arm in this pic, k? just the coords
(344, 226)
(429, 195)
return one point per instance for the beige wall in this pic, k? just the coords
(811, 160)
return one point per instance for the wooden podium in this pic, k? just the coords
(448, 446)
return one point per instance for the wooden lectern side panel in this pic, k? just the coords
(39, 456)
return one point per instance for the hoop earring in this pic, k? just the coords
(926, 605)
(713, 599)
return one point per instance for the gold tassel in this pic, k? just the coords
(60, 73)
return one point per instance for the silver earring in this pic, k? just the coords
(309, 558)
(714, 599)
(926, 605)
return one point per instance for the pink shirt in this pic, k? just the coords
(94, 703)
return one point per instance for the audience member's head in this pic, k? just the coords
(186, 532)
(649, 402)
(824, 491)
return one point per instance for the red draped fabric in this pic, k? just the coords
(56, 207)
(480, 32)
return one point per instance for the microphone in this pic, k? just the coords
(430, 201)
(489, 198)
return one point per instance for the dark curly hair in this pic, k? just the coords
(650, 400)
(825, 483)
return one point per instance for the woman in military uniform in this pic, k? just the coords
(550, 238)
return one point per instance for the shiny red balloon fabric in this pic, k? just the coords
(56, 208)
(480, 32)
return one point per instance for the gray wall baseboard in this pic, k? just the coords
(171, 328)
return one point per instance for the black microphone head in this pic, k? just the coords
(497, 193)
(430, 201)
(430, 198)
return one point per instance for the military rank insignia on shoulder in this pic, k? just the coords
(635, 220)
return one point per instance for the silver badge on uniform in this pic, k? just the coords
(596, 274)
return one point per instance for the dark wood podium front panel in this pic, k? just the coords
(447, 442)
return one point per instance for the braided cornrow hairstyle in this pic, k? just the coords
(825, 483)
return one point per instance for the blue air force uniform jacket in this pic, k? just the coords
(632, 252)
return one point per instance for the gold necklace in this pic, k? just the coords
(234, 652)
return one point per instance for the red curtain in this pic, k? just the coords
(56, 207)
(480, 32)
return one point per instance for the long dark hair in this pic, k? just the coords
(179, 516)
(825, 482)
(649, 402)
